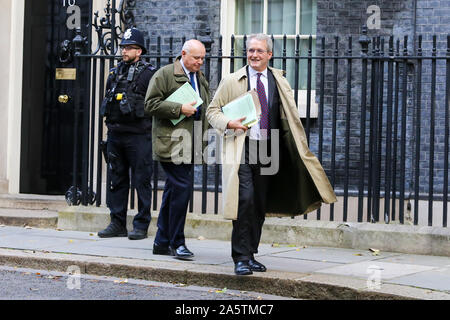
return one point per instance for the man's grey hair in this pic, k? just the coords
(187, 46)
(261, 37)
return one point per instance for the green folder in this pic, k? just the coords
(184, 94)
(246, 105)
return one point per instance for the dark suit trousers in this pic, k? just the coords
(251, 209)
(129, 152)
(175, 200)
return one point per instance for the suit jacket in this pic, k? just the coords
(301, 184)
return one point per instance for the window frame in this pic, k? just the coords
(227, 29)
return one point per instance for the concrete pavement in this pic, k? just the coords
(298, 271)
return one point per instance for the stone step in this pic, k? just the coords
(33, 218)
(32, 202)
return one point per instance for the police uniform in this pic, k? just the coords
(129, 145)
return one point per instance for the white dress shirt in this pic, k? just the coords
(255, 130)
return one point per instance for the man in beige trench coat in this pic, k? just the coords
(298, 186)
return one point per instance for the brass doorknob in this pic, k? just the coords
(63, 98)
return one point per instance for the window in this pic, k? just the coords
(277, 18)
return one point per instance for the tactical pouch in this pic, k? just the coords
(124, 105)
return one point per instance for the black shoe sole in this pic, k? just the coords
(184, 257)
(113, 235)
(258, 270)
(137, 237)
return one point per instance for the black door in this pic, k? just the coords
(48, 94)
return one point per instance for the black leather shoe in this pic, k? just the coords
(182, 253)
(256, 266)
(137, 234)
(113, 230)
(162, 250)
(242, 268)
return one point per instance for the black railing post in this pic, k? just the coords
(347, 127)
(446, 135)
(297, 68)
(417, 133)
(364, 42)
(403, 132)
(334, 120)
(387, 190)
(308, 90)
(432, 132)
(372, 133)
(101, 145)
(321, 105)
(395, 139)
(207, 41)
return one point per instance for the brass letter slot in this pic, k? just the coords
(66, 74)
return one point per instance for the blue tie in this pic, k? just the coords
(198, 113)
(191, 75)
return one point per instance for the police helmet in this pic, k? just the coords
(133, 36)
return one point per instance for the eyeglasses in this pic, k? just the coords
(129, 48)
(258, 51)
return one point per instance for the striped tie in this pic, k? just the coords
(264, 122)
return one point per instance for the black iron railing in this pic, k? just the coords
(381, 131)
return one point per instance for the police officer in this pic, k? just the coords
(129, 145)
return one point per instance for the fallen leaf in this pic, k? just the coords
(58, 229)
(221, 291)
(70, 241)
(91, 234)
(121, 281)
(297, 250)
(357, 254)
(201, 238)
(275, 245)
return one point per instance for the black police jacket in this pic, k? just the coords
(123, 105)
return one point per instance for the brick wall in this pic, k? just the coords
(343, 18)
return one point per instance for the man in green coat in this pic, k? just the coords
(172, 144)
(298, 185)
